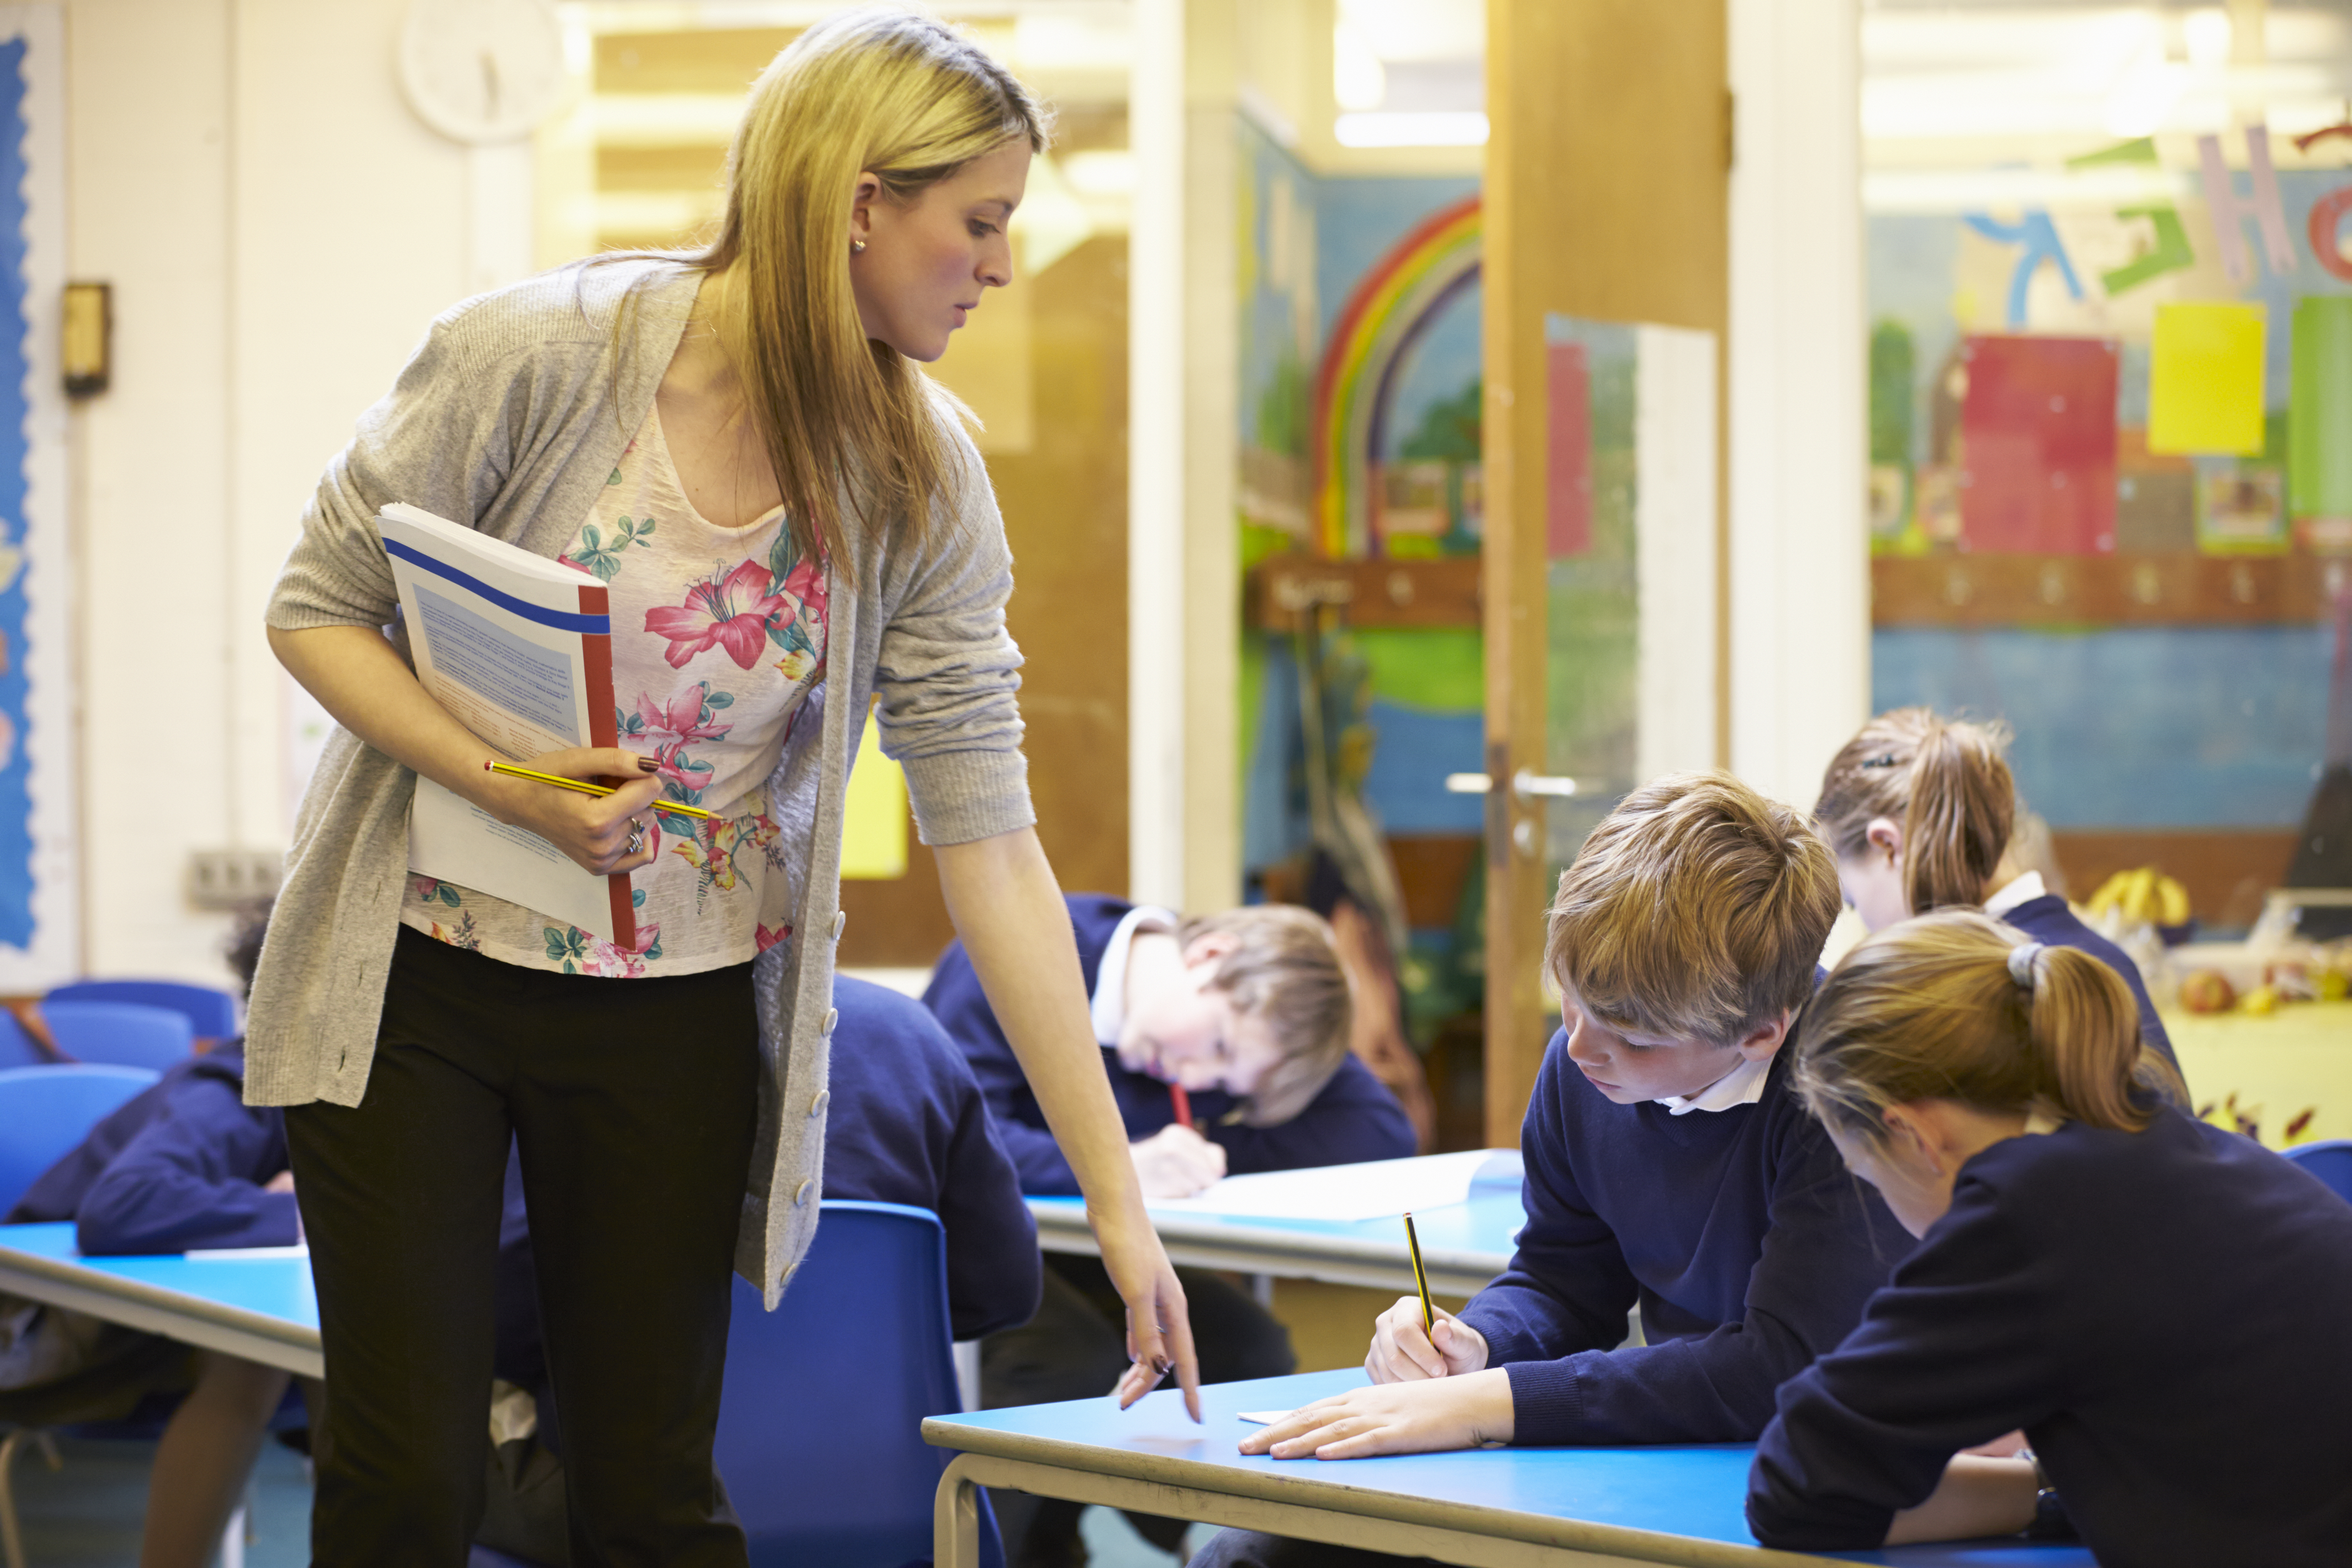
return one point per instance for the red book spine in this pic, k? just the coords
(603, 730)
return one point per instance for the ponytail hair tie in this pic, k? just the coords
(2020, 964)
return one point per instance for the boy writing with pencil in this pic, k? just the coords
(1667, 1164)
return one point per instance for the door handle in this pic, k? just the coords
(1527, 784)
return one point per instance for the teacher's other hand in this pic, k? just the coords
(593, 830)
(1159, 1331)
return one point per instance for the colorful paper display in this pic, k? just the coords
(2038, 445)
(2319, 410)
(2205, 379)
(1568, 458)
(874, 813)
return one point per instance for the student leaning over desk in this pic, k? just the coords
(1668, 1164)
(1921, 810)
(815, 498)
(2158, 1304)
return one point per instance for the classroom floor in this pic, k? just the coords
(86, 1514)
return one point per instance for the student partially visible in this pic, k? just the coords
(1920, 810)
(1667, 1163)
(1249, 1013)
(2159, 1304)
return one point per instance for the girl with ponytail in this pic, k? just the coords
(1920, 810)
(2090, 1261)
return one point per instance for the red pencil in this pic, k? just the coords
(1183, 1104)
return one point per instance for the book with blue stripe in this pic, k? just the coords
(518, 648)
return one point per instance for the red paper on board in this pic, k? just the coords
(2038, 445)
(1567, 458)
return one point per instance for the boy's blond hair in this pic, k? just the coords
(1696, 910)
(1285, 970)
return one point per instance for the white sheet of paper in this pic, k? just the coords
(207, 1254)
(1373, 1190)
(1266, 1417)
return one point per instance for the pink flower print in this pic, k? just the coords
(613, 961)
(731, 611)
(686, 774)
(684, 716)
(712, 855)
(770, 935)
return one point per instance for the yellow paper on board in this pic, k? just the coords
(874, 814)
(2205, 379)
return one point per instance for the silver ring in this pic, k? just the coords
(636, 837)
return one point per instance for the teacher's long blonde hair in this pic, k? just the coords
(899, 94)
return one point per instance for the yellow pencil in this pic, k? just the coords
(1420, 1279)
(582, 786)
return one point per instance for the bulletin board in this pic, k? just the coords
(39, 919)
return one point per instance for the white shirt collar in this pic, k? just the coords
(1743, 1085)
(2023, 890)
(1108, 1006)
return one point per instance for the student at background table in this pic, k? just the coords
(1921, 810)
(1668, 1163)
(791, 521)
(2159, 1304)
(1248, 1011)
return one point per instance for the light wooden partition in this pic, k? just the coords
(1607, 176)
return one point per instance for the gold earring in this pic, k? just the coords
(857, 246)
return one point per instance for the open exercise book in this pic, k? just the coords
(520, 648)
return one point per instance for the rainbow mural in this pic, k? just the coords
(1401, 294)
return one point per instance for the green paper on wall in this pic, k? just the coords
(2205, 379)
(2319, 410)
(874, 814)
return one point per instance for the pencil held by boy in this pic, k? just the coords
(1667, 1164)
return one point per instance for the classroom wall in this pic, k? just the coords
(278, 230)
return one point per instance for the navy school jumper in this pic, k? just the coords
(1354, 1118)
(2163, 1313)
(2051, 922)
(183, 1163)
(1747, 1245)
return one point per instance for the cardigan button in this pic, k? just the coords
(840, 919)
(823, 1098)
(832, 1016)
(800, 1198)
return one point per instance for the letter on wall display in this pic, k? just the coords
(2038, 445)
(2205, 379)
(2171, 252)
(2229, 209)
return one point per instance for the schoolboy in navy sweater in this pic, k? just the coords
(1248, 1012)
(1666, 1164)
(2158, 1304)
(1346, 1114)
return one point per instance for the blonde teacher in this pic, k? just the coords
(791, 521)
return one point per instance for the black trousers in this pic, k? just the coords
(632, 1104)
(1075, 1348)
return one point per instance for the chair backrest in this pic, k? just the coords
(46, 1110)
(2330, 1159)
(124, 1034)
(820, 1426)
(211, 1012)
(16, 1047)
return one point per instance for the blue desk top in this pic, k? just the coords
(1694, 1493)
(1486, 1226)
(220, 1288)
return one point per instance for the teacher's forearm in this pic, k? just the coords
(360, 679)
(1008, 910)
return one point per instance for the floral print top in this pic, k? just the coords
(718, 636)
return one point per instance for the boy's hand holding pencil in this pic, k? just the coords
(1404, 1352)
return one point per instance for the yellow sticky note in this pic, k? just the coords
(874, 813)
(2205, 379)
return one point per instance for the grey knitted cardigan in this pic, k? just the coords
(510, 417)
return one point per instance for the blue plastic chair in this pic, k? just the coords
(211, 1012)
(2330, 1159)
(124, 1034)
(46, 1110)
(819, 1428)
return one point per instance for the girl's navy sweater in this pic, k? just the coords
(1739, 1231)
(2163, 1313)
